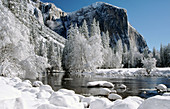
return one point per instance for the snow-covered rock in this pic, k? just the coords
(113, 96)
(161, 88)
(66, 91)
(100, 103)
(46, 88)
(100, 84)
(43, 95)
(34, 90)
(99, 91)
(27, 81)
(88, 100)
(121, 86)
(156, 102)
(65, 100)
(37, 83)
(128, 103)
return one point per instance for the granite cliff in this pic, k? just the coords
(111, 18)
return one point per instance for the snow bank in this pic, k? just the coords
(131, 72)
(18, 94)
(156, 102)
(10, 97)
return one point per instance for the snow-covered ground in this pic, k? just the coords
(130, 72)
(18, 94)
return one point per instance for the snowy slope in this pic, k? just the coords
(26, 45)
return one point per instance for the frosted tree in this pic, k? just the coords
(149, 64)
(75, 57)
(42, 49)
(84, 29)
(106, 50)
(93, 28)
(96, 46)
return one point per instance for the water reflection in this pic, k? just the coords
(136, 86)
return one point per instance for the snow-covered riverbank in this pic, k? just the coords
(131, 72)
(18, 94)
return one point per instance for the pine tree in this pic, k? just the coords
(84, 30)
(154, 52)
(162, 56)
(75, 57)
(93, 28)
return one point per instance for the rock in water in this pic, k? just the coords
(161, 88)
(100, 84)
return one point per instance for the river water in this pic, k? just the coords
(136, 86)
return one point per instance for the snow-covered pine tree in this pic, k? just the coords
(96, 46)
(75, 57)
(106, 50)
(84, 30)
(93, 28)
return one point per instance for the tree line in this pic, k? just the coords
(87, 48)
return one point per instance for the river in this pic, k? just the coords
(136, 86)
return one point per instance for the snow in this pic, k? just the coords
(100, 84)
(161, 88)
(156, 102)
(99, 91)
(65, 100)
(37, 83)
(121, 86)
(8, 92)
(113, 96)
(18, 94)
(46, 88)
(100, 103)
(131, 72)
(128, 103)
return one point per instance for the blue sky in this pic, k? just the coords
(151, 18)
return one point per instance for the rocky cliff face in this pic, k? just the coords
(111, 18)
(27, 46)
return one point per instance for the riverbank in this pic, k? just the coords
(131, 72)
(18, 94)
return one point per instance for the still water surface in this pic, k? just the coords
(136, 86)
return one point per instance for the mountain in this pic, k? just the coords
(111, 18)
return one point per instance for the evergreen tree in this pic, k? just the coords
(93, 28)
(162, 56)
(75, 57)
(154, 52)
(84, 30)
